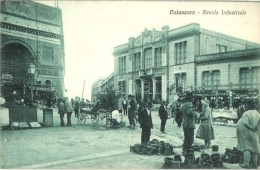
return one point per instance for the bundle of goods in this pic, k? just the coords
(189, 161)
(153, 147)
(232, 156)
(172, 163)
(196, 148)
(204, 161)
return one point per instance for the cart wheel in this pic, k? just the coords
(81, 119)
(94, 119)
(102, 121)
(101, 115)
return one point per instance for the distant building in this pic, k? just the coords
(31, 34)
(159, 64)
(102, 86)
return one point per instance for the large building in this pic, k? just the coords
(31, 37)
(160, 64)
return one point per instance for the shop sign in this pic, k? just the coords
(42, 88)
(7, 77)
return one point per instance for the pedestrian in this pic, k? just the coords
(131, 112)
(76, 106)
(205, 130)
(61, 111)
(146, 122)
(163, 115)
(248, 130)
(125, 106)
(120, 103)
(69, 110)
(178, 115)
(188, 121)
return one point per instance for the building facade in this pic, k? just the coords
(32, 34)
(160, 64)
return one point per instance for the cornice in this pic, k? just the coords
(30, 30)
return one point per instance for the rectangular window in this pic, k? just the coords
(158, 57)
(221, 48)
(224, 49)
(121, 87)
(255, 76)
(148, 58)
(218, 48)
(180, 80)
(206, 80)
(181, 52)
(122, 65)
(137, 62)
(244, 77)
(215, 77)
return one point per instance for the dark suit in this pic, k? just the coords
(163, 116)
(125, 105)
(146, 123)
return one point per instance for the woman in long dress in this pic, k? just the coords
(205, 130)
(248, 130)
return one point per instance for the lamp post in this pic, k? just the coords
(230, 100)
(31, 71)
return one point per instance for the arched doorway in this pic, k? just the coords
(15, 61)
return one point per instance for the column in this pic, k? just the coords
(142, 89)
(154, 87)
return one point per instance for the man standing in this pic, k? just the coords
(131, 112)
(61, 111)
(188, 122)
(146, 123)
(69, 110)
(163, 115)
(125, 105)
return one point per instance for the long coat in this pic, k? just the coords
(163, 112)
(246, 138)
(145, 119)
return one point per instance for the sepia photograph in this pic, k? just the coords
(129, 84)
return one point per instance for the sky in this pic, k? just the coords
(93, 28)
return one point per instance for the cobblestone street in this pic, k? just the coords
(86, 146)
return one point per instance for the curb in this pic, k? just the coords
(77, 159)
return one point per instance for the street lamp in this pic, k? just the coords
(31, 71)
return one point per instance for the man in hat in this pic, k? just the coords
(61, 111)
(163, 115)
(146, 122)
(188, 122)
(131, 112)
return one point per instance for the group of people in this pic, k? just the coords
(248, 126)
(65, 107)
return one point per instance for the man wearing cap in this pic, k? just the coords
(146, 122)
(163, 115)
(188, 122)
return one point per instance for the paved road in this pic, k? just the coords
(86, 146)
